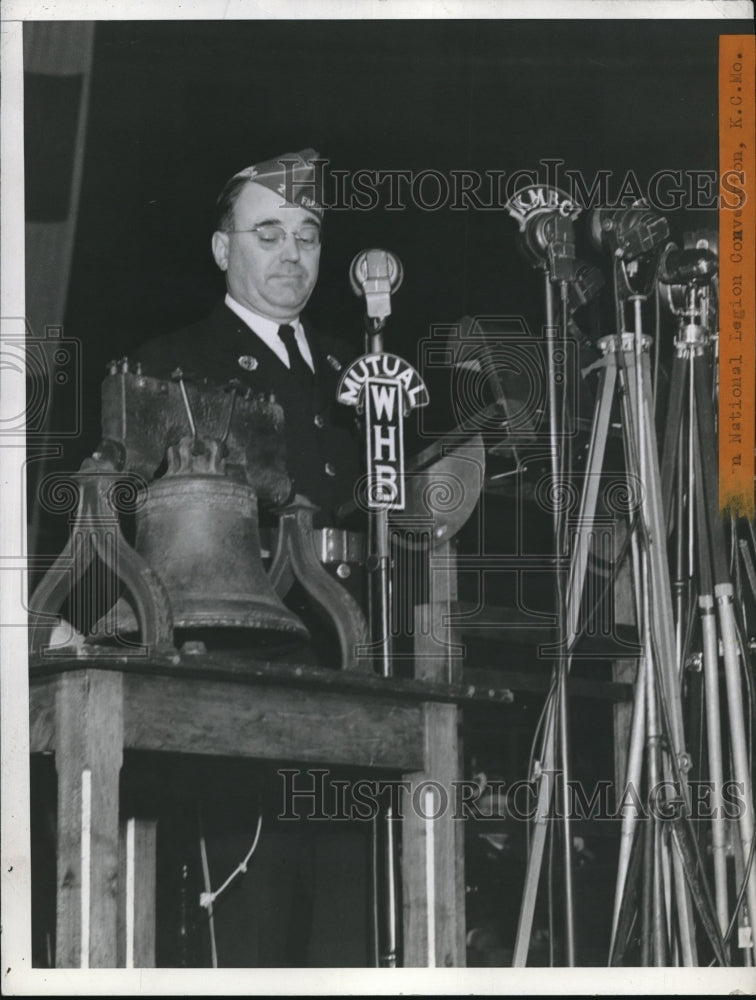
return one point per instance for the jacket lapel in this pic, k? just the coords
(248, 353)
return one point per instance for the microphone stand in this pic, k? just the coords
(690, 451)
(562, 664)
(669, 869)
(375, 273)
(558, 268)
(379, 554)
(379, 620)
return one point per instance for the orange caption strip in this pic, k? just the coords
(737, 273)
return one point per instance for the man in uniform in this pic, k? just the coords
(267, 241)
(303, 900)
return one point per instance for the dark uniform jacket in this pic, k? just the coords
(322, 446)
(282, 911)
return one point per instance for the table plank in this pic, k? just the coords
(269, 722)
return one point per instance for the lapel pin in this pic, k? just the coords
(333, 362)
(248, 363)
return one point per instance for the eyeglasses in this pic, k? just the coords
(270, 236)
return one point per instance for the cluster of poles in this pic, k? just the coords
(685, 889)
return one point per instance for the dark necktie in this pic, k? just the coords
(298, 367)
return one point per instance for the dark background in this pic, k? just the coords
(176, 108)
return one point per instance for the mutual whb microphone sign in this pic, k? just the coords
(384, 387)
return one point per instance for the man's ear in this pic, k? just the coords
(220, 249)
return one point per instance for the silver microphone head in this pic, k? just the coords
(376, 274)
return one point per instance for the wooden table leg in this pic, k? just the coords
(433, 891)
(88, 756)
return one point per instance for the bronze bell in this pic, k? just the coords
(200, 534)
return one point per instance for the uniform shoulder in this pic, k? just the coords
(186, 347)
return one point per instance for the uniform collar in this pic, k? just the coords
(267, 330)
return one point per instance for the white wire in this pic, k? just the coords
(209, 904)
(208, 898)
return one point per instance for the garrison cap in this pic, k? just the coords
(292, 175)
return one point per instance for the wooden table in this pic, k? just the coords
(87, 710)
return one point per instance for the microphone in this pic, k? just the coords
(629, 233)
(376, 274)
(687, 267)
(550, 237)
(587, 284)
(544, 215)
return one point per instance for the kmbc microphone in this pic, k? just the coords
(376, 274)
(547, 235)
(551, 237)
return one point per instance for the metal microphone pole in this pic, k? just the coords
(375, 274)
(378, 544)
(379, 618)
(682, 462)
(690, 276)
(724, 600)
(385, 388)
(547, 241)
(562, 665)
(657, 731)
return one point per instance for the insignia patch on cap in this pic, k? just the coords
(334, 362)
(297, 177)
(248, 363)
